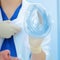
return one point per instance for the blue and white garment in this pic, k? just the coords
(21, 40)
(8, 44)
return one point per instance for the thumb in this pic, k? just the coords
(6, 54)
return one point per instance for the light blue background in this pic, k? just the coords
(51, 8)
(58, 28)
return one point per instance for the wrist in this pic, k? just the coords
(36, 50)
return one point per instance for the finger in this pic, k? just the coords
(10, 33)
(16, 28)
(6, 54)
(1, 56)
(13, 32)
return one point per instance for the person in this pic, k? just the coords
(6, 30)
(22, 45)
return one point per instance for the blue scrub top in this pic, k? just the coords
(14, 16)
(9, 43)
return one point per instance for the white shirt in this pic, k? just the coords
(21, 39)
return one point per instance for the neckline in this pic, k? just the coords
(14, 15)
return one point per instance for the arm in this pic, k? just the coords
(37, 27)
(40, 56)
(37, 52)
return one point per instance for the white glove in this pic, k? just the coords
(35, 44)
(7, 29)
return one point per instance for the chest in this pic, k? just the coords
(21, 39)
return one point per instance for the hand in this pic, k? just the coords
(35, 44)
(5, 55)
(40, 56)
(7, 29)
(37, 52)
